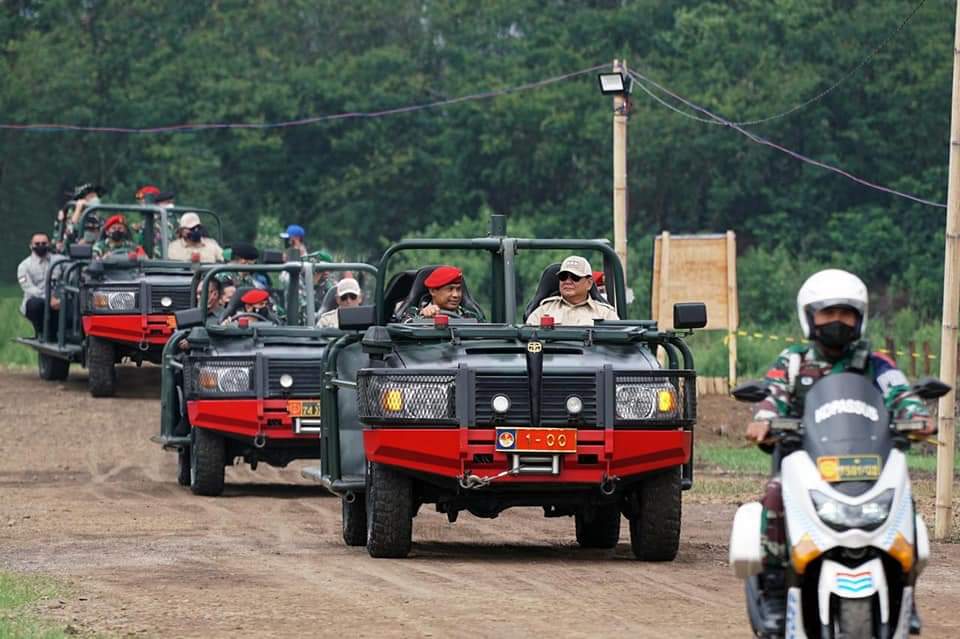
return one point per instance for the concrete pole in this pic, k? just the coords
(620, 115)
(951, 312)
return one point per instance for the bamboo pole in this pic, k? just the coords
(733, 311)
(951, 311)
(621, 108)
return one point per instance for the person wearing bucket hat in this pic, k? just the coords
(348, 295)
(293, 238)
(116, 239)
(191, 240)
(573, 306)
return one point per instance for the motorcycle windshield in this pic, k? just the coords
(846, 431)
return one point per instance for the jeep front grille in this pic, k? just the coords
(307, 376)
(553, 408)
(179, 297)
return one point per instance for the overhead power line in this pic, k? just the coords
(753, 137)
(348, 115)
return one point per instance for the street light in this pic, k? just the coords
(614, 84)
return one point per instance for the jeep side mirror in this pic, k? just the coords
(930, 388)
(357, 318)
(271, 256)
(751, 392)
(80, 251)
(189, 318)
(689, 315)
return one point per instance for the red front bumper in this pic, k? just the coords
(135, 329)
(247, 418)
(601, 454)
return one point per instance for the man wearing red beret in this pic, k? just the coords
(445, 294)
(255, 301)
(116, 239)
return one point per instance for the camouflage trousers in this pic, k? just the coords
(773, 529)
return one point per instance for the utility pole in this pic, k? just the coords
(951, 313)
(621, 112)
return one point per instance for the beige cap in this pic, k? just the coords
(189, 220)
(348, 285)
(576, 265)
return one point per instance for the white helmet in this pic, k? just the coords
(832, 287)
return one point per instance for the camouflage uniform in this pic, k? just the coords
(109, 247)
(788, 389)
(413, 312)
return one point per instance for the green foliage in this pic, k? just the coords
(12, 325)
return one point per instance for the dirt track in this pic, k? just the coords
(85, 497)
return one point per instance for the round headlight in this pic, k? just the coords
(574, 405)
(500, 404)
(286, 381)
(166, 302)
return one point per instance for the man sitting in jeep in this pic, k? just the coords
(254, 306)
(116, 239)
(444, 295)
(574, 306)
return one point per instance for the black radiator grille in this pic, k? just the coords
(307, 378)
(553, 408)
(180, 298)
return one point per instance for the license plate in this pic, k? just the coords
(299, 408)
(536, 440)
(849, 467)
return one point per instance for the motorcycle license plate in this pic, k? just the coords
(849, 467)
(300, 408)
(536, 440)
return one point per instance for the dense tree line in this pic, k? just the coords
(542, 157)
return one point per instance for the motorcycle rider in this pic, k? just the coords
(832, 308)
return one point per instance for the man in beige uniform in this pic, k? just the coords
(191, 240)
(348, 295)
(574, 306)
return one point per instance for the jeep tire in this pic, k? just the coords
(52, 369)
(655, 527)
(207, 463)
(602, 530)
(389, 512)
(183, 466)
(101, 357)
(353, 518)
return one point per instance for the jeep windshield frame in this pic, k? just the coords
(152, 214)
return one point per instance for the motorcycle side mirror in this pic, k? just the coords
(930, 388)
(751, 392)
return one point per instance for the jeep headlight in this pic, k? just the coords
(112, 299)
(842, 516)
(649, 400)
(420, 398)
(233, 377)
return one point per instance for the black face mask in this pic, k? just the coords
(835, 334)
(195, 234)
(118, 235)
(40, 249)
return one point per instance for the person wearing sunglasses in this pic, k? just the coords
(348, 295)
(192, 239)
(32, 276)
(573, 306)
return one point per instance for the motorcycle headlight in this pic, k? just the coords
(651, 400)
(420, 398)
(113, 299)
(223, 377)
(842, 516)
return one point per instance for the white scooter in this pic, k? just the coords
(855, 541)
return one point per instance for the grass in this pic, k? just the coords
(13, 324)
(17, 593)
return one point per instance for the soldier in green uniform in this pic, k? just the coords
(116, 239)
(444, 295)
(832, 307)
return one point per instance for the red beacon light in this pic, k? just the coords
(440, 320)
(243, 322)
(547, 321)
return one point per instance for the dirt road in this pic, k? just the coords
(85, 497)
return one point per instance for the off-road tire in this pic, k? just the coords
(101, 359)
(183, 466)
(353, 517)
(603, 531)
(389, 512)
(52, 369)
(854, 619)
(207, 463)
(655, 528)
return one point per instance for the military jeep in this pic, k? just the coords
(249, 389)
(484, 415)
(117, 308)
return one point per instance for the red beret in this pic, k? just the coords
(255, 296)
(114, 219)
(147, 190)
(443, 275)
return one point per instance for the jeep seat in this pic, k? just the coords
(418, 292)
(329, 301)
(398, 288)
(550, 286)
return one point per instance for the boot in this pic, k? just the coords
(773, 602)
(915, 624)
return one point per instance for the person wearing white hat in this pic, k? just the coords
(191, 239)
(348, 294)
(573, 306)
